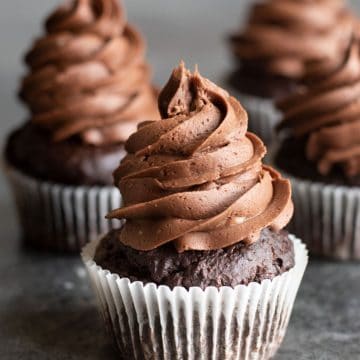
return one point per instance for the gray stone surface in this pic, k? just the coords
(47, 310)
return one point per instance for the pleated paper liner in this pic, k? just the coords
(58, 217)
(327, 218)
(156, 322)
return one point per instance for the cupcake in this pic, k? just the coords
(201, 268)
(279, 40)
(87, 88)
(320, 150)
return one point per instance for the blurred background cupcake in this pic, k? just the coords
(273, 49)
(201, 267)
(87, 88)
(320, 150)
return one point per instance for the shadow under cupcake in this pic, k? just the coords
(201, 268)
(87, 89)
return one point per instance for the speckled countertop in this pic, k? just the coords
(47, 310)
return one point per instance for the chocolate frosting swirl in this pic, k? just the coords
(282, 36)
(88, 77)
(327, 113)
(196, 177)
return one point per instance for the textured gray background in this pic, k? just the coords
(46, 308)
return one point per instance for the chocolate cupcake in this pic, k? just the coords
(279, 40)
(87, 89)
(321, 153)
(201, 267)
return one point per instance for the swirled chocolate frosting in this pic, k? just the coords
(282, 36)
(88, 77)
(196, 178)
(327, 114)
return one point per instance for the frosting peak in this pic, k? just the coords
(283, 36)
(88, 76)
(327, 114)
(196, 178)
(102, 18)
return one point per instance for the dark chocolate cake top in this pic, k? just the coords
(270, 256)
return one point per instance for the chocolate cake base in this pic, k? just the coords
(31, 150)
(270, 256)
(291, 158)
(252, 81)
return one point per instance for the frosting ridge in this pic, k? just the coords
(88, 77)
(196, 177)
(326, 113)
(283, 36)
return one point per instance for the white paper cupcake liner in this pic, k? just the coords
(155, 322)
(263, 116)
(327, 218)
(59, 217)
